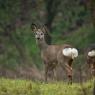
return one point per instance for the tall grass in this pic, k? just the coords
(26, 87)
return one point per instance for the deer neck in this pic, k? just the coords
(42, 44)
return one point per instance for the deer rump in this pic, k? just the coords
(91, 53)
(70, 52)
(91, 50)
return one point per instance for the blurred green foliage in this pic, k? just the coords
(70, 25)
(25, 87)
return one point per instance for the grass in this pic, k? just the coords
(27, 87)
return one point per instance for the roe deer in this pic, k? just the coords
(54, 54)
(90, 57)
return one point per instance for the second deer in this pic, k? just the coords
(54, 54)
(90, 57)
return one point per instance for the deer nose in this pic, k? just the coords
(38, 38)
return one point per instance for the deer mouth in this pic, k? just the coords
(38, 38)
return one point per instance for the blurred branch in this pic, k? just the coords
(8, 30)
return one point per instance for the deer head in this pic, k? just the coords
(39, 32)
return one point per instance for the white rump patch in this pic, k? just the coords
(70, 52)
(91, 53)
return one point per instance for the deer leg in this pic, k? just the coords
(46, 72)
(53, 74)
(69, 73)
(69, 70)
(90, 71)
(93, 69)
(67, 66)
(54, 71)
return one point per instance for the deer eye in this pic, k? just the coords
(41, 33)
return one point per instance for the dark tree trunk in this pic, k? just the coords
(90, 5)
(93, 11)
(51, 11)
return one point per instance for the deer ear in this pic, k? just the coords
(33, 27)
(44, 28)
(46, 31)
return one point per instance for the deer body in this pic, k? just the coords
(55, 54)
